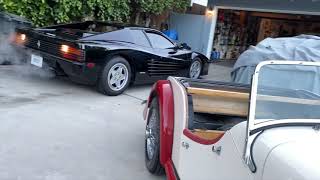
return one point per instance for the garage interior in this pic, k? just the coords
(237, 30)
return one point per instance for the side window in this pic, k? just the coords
(159, 41)
(140, 38)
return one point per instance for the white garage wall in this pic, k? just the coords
(195, 30)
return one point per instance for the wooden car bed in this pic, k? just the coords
(224, 102)
(216, 105)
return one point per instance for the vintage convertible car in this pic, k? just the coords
(199, 129)
(109, 55)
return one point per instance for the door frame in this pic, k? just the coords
(217, 8)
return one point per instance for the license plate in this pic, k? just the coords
(36, 60)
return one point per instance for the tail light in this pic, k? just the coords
(22, 37)
(72, 53)
(18, 38)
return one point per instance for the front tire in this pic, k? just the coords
(195, 68)
(115, 77)
(152, 140)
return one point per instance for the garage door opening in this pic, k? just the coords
(236, 30)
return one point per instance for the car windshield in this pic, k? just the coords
(288, 92)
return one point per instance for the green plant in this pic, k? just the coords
(66, 10)
(156, 7)
(111, 10)
(1, 5)
(44, 12)
(35, 10)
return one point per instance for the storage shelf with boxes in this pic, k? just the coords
(237, 30)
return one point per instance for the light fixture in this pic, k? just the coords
(210, 11)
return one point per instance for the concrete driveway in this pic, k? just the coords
(52, 129)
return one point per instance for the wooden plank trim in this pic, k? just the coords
(219, 93)
(220, 110)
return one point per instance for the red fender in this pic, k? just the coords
(163, 91)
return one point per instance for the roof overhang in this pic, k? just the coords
(200, 2)
(281, 6)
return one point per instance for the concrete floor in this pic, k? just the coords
(52, 129)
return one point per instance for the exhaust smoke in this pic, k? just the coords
(19, 59)
(8, 55)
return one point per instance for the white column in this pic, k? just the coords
(214, 16)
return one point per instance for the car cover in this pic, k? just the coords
(299, 48)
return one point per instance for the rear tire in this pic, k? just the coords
(115, 77)
(152, 140)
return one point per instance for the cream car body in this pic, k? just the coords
(251, 150)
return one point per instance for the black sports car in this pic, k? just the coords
(109, 55)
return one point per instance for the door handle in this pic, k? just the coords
(173, 52)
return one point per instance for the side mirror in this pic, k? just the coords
(184, 46)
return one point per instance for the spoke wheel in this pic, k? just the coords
(195, 69)
(151, 132)
(152, 140)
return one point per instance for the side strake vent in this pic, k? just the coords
(163, 68)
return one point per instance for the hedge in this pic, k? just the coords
(44, 12)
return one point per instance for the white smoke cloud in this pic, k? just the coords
(18, 58)
(9, 55)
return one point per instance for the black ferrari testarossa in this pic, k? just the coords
(109, 55)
